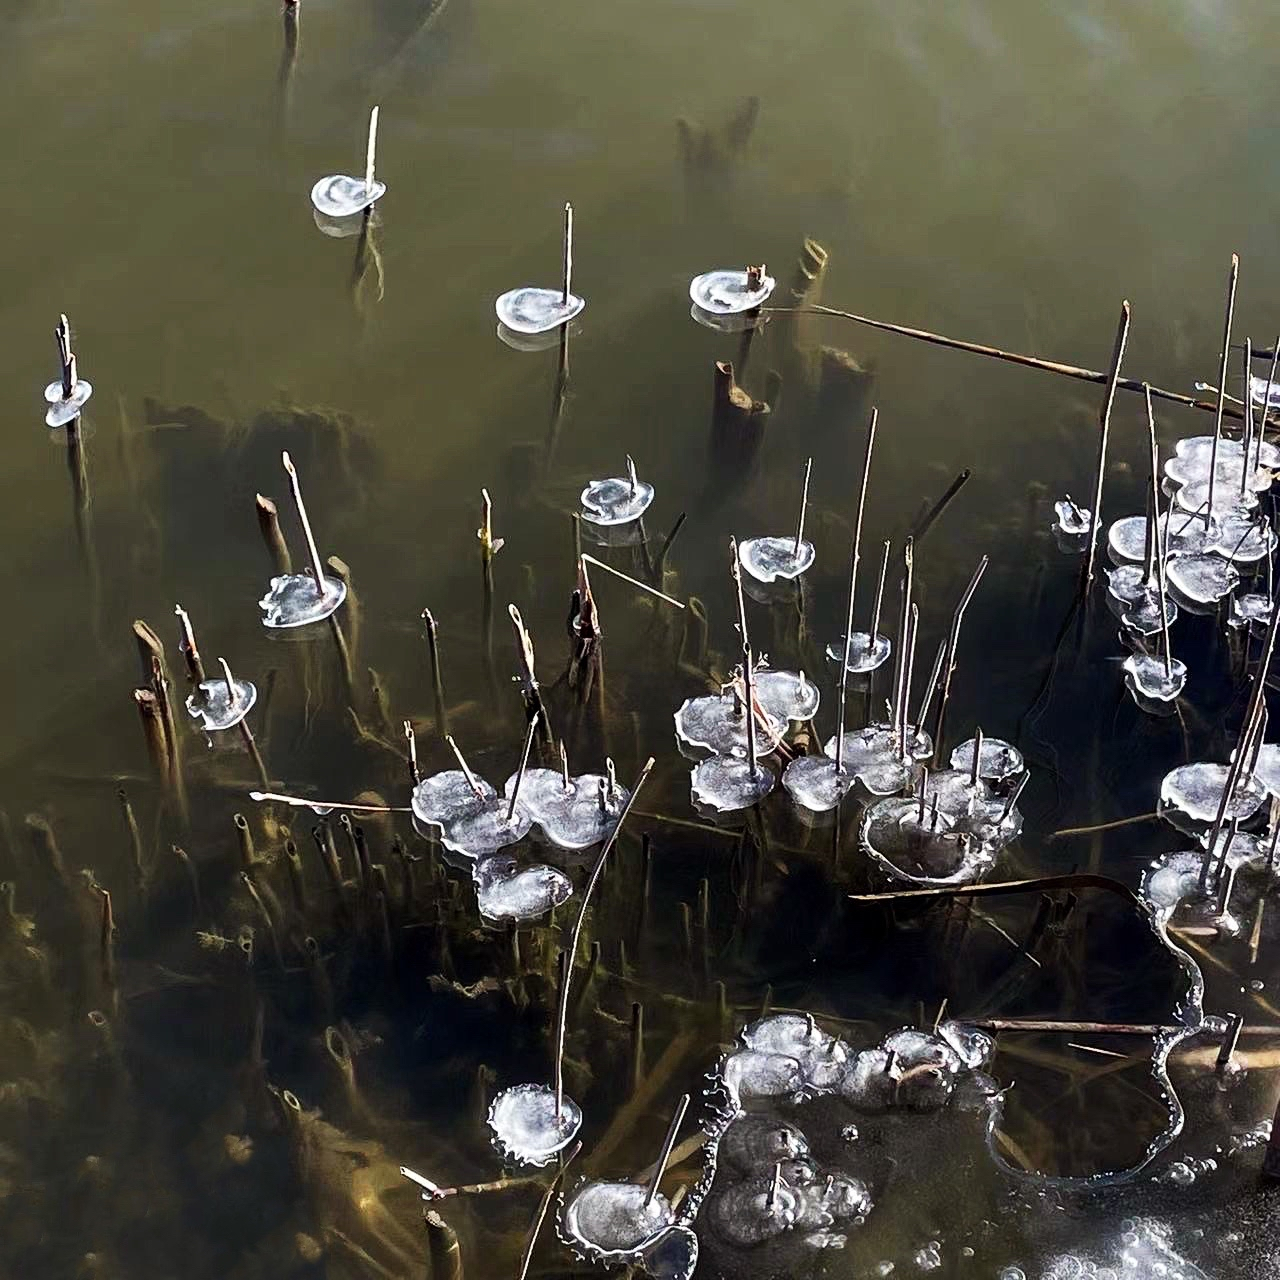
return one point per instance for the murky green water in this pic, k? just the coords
(1001, 172)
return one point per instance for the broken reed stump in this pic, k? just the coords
(737, 428)
(446, 1256)
(269, 525)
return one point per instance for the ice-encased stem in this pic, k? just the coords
(466, 769)
(668, 1145)
(1266, 405)
(853, 576)
(524, 767)
(317, 565)
(592, 880)
(66, 357)
(931, 688)
(1246, 438)
(748, 683)
(977, 757)
(953, 643)
(565, 968)
(1232, 280)
(1161, 544)
(775, 1185)
(566, 274)
(371, 151)
(633, 480)
(804, 505)
(564, 767)
(232, 695)
(1104, 431)
(904, 637)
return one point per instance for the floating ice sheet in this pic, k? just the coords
(532, 310)
(215, 707)
(768, 559)
(727, 784)
(1195, 497)
(62, 409)
(295, 601)
(616, 500)
(726, 292)
(864, 654)
(525, 1125)
(443, 798)
(507, 891)
(1152, 680)
(341, 196)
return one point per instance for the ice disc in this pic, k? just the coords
(997, 761)
(747, 1213)
(812, 782)
(340, 196)
(922, 851)
(215, 707)
(1258, 388)
(767, 559)
(505, 891)
(786, 695)
(525, 1125)
(1075, 521)
(749, 1073)
(1196, 790)
(727, 783)
(62, 409)
(613, 1217)
(295, 601)
(754, 1142)
(879, 742)
(1202, 579)
(442, 798)
(1127, 539)
(486, 828)
(1266, 770)
(1244, 537)
(1128, 583)
(530, 310)
(672, 1254)
(1150, 678)
(726, 292)
(712, 723)
(1195, 497)
(616, 500)
(1144, 615)
(1252, 609)
(864, 655)
(573, 819)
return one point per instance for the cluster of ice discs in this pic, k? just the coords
(766, 1184)
(716, 727)
(472, 820)
(1194, 554)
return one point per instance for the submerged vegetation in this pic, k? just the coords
(725, 923)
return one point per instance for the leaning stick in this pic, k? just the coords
(1010, 357)
(1104, 431)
